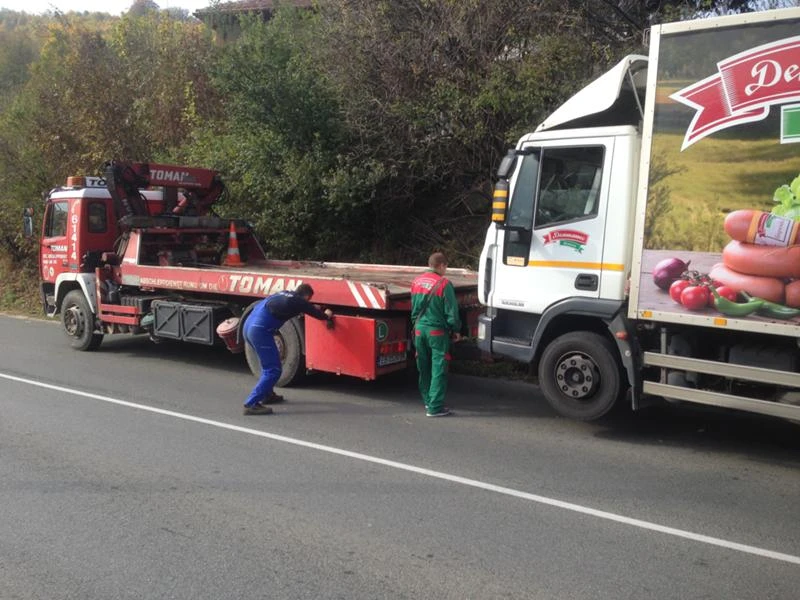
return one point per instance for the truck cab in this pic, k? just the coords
(79, 226)
(557, 255)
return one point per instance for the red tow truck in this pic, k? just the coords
(140, 251)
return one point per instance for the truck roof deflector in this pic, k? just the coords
(608, 100)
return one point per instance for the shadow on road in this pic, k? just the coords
(207, 357)
(701, 428)
(706, 429)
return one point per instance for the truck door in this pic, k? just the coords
(53, 247)
(99, 233)
(553, 239)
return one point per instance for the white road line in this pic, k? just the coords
(474, 483)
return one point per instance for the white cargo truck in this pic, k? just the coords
(644, 237)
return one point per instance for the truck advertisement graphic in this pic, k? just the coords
(720, 233)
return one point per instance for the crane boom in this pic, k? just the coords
(201, 187)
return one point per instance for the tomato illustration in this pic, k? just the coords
(676, 288)
(695, 297)
(728, 293)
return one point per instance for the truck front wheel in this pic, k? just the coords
(290, 350)
(77, 319)
(580, 376)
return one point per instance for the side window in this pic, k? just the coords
(56, 220)
(520, 211)
(97, 218)
(570, 185)
(519, 219)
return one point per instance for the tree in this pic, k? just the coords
(282, 145)
(140, 8)
(17, 51)
(434, 91)
(135, 91)
(164, 67)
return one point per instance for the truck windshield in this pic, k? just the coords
(520, 213)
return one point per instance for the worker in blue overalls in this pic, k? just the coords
(260, 328)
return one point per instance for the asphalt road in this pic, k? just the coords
(130, 472)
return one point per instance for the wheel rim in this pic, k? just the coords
(73, 321)
(577, 375)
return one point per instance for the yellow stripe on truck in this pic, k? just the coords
(573, 264)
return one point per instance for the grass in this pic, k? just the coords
(717, 176)
(19, 291)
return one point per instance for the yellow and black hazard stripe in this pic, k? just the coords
(500, 201)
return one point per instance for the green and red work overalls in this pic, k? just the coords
(432, 334)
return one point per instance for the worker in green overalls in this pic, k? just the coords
(434, 313)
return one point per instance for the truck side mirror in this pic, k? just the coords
(27, 222)
(507, 164)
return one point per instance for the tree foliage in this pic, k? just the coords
(362, 129)
(132, 88)
(282, 143)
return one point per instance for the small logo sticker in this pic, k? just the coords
(381, 330)
(790, 124)
(571, 238)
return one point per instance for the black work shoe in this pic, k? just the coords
(257, 409)
(272, 399)
(442, 412)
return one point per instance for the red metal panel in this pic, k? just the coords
(350, 348)
(116, 313)
(358, 286)
(119, 319)
(119, 309)
(186, 177)
(252, 282)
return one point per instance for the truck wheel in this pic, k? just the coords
(77, 319)
(291, 351)
(580, 376)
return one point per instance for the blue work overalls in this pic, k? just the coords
(259, 331)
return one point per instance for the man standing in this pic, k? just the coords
(434, 313)
(259, 330)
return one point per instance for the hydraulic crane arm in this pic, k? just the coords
(125, 180)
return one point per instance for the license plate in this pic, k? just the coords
(390, 359)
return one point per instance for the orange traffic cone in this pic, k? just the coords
(233, 259)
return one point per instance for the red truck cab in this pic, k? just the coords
(79, 226)
(78, 223)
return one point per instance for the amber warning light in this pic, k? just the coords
(81, 182)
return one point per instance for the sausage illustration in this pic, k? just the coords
(768, 261)
(793, 294)
(768, 288)
(763, 228)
